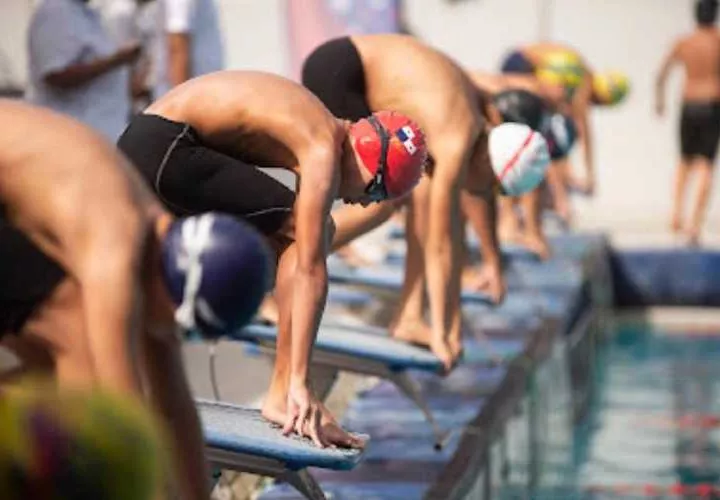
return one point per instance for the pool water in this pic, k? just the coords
(652, 429)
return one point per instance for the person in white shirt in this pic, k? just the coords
(192, 43)
(76, 69)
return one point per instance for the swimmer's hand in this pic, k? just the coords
(303, 414)
(307, 416)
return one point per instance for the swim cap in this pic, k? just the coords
(405, 146)
(217, 271)
(610, 87)
(72, 445)
(519, 157)
(561, 67)
(560, 133)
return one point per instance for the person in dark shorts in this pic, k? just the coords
(89, 276)
(202, 146)
(699, 54)
(353, 76)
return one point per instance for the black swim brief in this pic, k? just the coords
(190, 177)
(334, 72)
(700, 129)
(27, 278)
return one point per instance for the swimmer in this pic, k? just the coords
(356, 76)
(699, 54)
(88, 275)
(523, 99)
(564, 68)
(201, 147)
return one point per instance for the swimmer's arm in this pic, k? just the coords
(669, 61)
(178, 45)
(442, 251)
(310, 282)
(171, 398)
(106, 254)
(581, 112)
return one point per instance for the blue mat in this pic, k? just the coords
(367, 343)
(242, 430)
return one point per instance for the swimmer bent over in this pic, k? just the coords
(82, 289)
(201, 147)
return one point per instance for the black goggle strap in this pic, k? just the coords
(378, 181)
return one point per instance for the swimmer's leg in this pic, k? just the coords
(58, 327)
(704, 171)
(353, 221)
(679, 191)
(558, 190)
(534, 236)
(509, 227)
(166, 382)
(275, 404)
(408, 323)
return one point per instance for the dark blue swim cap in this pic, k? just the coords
(217, 271)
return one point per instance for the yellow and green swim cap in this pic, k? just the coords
(610, 87)
(561, 67)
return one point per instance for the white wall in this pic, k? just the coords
(14, 17)
(635, 152)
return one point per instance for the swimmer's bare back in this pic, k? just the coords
(59, 179)
(699, 54)
(405, 75)
(265, 119)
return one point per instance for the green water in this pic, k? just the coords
(652, 428)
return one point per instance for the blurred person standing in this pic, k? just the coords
(76, 68)
(128, 21)
(188, 43)
(699, 55)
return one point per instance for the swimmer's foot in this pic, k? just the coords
(537, 245)
(693, 238)
(456, 347)
(676, 224)
(414, 331)
(418, 333)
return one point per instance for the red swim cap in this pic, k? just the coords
(406, 152)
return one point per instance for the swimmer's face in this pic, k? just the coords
(356, 184)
